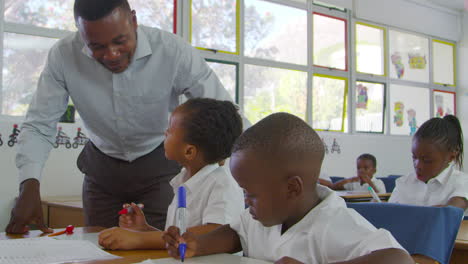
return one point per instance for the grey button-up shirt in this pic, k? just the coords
(125, 114)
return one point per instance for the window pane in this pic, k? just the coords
(370, 49)
(370, 98)
(409, 55)
(23, 60)
(444, 60)
(275, 32)
(50, 13)
(444, 103)
(227, 74)
(214, 24)
(270, 90)
(154, 13)
(409, 108)
(329, 42)
(328, 103)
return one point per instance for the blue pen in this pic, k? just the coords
(180, 219)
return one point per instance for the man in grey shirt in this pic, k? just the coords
(124, 80)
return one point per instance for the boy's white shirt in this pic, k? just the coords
(330, 232)
(213, 196)
(356, 186)
(438, 190)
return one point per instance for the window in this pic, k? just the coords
(214, 25)
(269, 90)
(329, 95)
(23, 60)
(443, 62)
(48, 14)
(409, 108)
(227, 73)
(330, 39)
(275, 32)
(409, 57)
(444, 103)
(370, 49)
(370, 107)
(154, 13)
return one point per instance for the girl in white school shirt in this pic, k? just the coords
(437, 148)
(200, 135)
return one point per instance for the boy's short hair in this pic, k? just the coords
(92, 10)
(282, 135)
(367, 156)
(211, 125)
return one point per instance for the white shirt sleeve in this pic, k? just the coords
(38, 130)
(396, 194)
(225, 203)
(380, 185)
(461, 186)
(240, 225)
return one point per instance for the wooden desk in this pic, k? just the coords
(61, 211)
(128, 256)
(351, 196)
(460, 250)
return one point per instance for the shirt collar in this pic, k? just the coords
(443, 176)
(193, 183)
(142, 50)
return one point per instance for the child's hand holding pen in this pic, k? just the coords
(173, 239)
(132, 217)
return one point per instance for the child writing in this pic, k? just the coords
(290, 218)
(201, 134)
(366, 168)
(437, 147)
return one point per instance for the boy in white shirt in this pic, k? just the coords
(290, 218)
(437, 147)
(366, 169)
(200, 135)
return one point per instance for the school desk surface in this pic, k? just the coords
(358, 196)
(128, 256)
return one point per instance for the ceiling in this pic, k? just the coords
(457, 5)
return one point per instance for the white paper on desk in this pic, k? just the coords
(212, 259)
(46, 250)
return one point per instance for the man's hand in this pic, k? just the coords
(173, 239)
(287, 260)
(27, 210)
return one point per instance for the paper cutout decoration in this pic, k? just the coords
(335, 147)
(13, 136)
(362, 97)
(399, 67)
(398, 117)
(62, 139)
(80, 138)
(416, 61)
(325, 146)
(412, 121)
(439, 105)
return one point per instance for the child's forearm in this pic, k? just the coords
(383, 256)
(152, 240)
(340, 184)
(457, 201)
(203, 229)
(221, 240)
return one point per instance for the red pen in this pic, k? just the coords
(129, 209)
(68, 230)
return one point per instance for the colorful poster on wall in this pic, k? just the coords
(409, 108)
(409, 55)
(444, 103)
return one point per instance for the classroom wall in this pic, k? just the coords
(61, 177)
(462, 94)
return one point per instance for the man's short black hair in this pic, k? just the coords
(92, 10)
(211, 125)
(367, 156)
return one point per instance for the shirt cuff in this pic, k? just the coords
(29, 171)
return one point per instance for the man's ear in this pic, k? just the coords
(295, 186)
(190, 152)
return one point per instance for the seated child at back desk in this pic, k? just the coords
(201, 134)
(290, 218)
(437, 148)
(366, 168)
